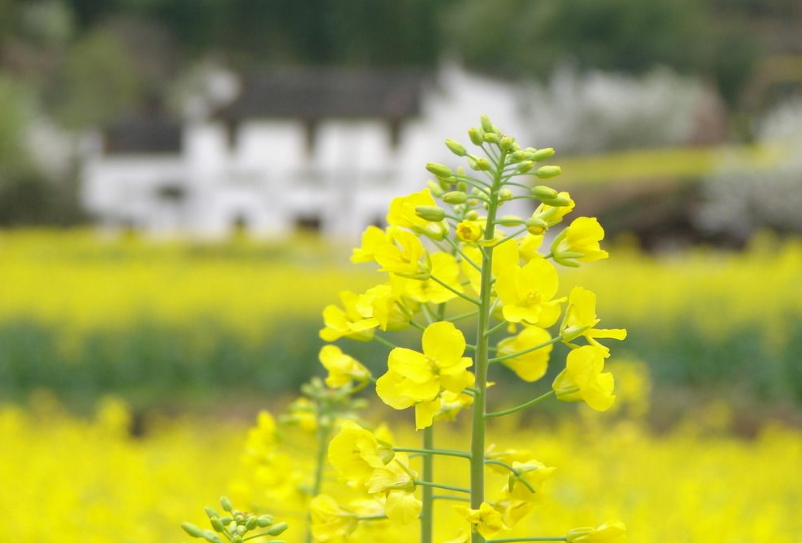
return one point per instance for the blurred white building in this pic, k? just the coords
(314, 149)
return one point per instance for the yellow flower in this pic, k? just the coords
(385, 304)
(528, 476)
(530, 366)
(417, 378)
(347, 321)
(514, 511)
(551, 215)
(402, 213)
(402, 507)
(446, 269)
(262, 439)
(395, 482)
(474, 276)
(451, 403)
(330, 522)
(342, 368)
(580, 319)
(470, 231)
(355, 452)
(508, 456)
(579, 243)
(486, 520)
(583, 380)
(526, 292)
(372, 238)
(528, 246)
(402, 255)
(609, 532)
(303, 413)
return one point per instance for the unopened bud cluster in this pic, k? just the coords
(235, 526)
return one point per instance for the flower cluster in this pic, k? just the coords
(446, 249)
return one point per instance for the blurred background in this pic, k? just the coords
(181, 182)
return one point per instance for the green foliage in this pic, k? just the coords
(99, 82)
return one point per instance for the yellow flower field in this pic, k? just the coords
(64, 479)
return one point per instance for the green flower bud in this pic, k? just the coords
(241, 529)
(211, 537)
(491, 137)
(476, 135)
(435, 188)
(210, 512)
(480, 164)
(191, 529)
(251, 523)
(559, 201)
(525, 166)
(547, 172)
(542, 192)
(455, 197)
(217, 524)
(226, 503)
(507, 143)
(536, 226)
(439, 170)
(472, 215)
(487, 126)
(517, 156)
(462, 186)
(264, 520)
(226, 520)
(430, 213)
(277, 529)
(455, 147)
(505, 195)
(543, 154)
(510, 220)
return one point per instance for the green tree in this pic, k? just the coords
(99, 82)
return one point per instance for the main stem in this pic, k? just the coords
(481, 356)
(322, 448)
(427, 514)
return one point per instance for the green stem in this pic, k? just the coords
(427, 519)
(432, 451)
(481, 357)
(444, 487)
(384, 342)
(320, 468)
(462, 316)
(452, 289)
(373, 517)
(514, 471)
(465, 257)
(496, 328)
(521, 407)
(451, 498)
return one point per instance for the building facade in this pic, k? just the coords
(322, 150)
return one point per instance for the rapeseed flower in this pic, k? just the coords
(583, 380)
(347, 321)
(530, 366)
(355, 452)
(527, 293)
(486, 520)
(343, 369)
(580, 320)
(579, 243)
(330, 522)
(403, 214)
(609, 532)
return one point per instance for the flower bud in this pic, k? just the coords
(543, 154)
(264, 520)
(536, 226)
(517, 156)
(191, 529)
(277, 529)
(455, 197)
(507, 143)
(251, 523)
(505, 195)
(430, 213)
(509, 220)
(487, 126)
(472, 215)
(226, 503)
(559, 201)
(439, 170)
(210, 536)
(455, 147)
(435, 188)
(491, 137)
(476, 135)
(547, 172)
(217, 524)
(210, 512)
(525, 166)
(469, 230)
(542, 192)
(482, 164)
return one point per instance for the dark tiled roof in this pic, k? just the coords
(143, 135)
(327, 93)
